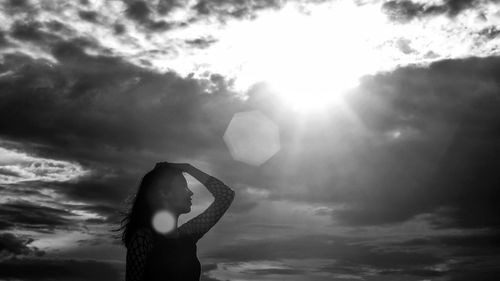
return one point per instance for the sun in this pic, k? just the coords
(309, 59)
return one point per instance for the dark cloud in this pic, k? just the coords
(12, 245)
(138, 10)
(208, 278)
(29, 31)
(468, 245)
(483, 268)
(45, 34)
(7, 172)
(422, 143)
(119, 29)
(90, 16)
(234, 9)
(472, 254)
(4, 225)
(476, 255)
(407, 10)
(490, 32)
(24, 214)
(201, 43)
(97, 190)
(54, 269)
(19, 7)
(3, 41)
(107, 115)
(18, 3)
(71, 104)
(445, 163)
(205, 269)
(350, 255)
(321, 247)
(165, 6)
(414, 272)
(141, 12)
(276, 271)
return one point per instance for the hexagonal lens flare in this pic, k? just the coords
(252, 137)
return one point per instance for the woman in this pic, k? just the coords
(163, 251)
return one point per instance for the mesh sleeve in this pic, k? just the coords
(137, 252)
(201, 224)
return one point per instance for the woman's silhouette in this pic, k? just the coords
(169, 255)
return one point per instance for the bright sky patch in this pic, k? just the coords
(309, 53)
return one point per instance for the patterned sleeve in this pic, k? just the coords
(137, 252)
(201, 224)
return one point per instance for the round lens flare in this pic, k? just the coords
(163, 222)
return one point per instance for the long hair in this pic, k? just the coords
(140, 213)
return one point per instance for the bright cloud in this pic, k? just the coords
(17, 166)
(302, 49)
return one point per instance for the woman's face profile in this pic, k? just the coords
(179, 195)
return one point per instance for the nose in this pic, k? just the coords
(190, 192)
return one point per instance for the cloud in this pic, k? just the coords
(310, 254)
(106, 117)
(4, 225)
(141, 12)
(237, 9)
(451, 256)
(138, 10)
(116, 118)
(201, 43)
(90, 16)
(206, 269)
(57, 269)
(17, 167)
(459, 245)
(407, 10)
(321, 247)
(24, 214)
(473, 255)
(415, 143)
(440, 160)
(12, 245)
(204, 34)
(149, 109)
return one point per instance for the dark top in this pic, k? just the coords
(152, 256)
(173, 259)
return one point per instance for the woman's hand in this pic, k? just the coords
(187, 168)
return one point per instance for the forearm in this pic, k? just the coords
(199, 225)
(197, 174)
(214, 185)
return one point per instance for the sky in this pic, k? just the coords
(362, 138)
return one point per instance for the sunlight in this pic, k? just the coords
(309, 59)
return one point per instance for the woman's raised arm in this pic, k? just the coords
(223, 197)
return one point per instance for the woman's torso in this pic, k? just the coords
(173, 259)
